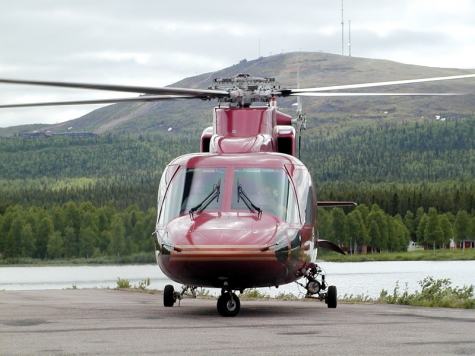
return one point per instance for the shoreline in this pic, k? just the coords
(426, 255)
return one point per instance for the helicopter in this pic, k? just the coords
(242, 212)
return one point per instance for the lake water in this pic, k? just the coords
(367, 278)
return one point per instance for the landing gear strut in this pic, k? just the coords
(319, 289)
(228, 304)
(170, 296)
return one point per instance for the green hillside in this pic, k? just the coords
(368, 165)
(414, 152)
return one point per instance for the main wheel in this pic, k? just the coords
(332, 297)
(169, 296)
(228, 306)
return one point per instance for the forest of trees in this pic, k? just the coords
(410, 153)
(71, 231)
(379, 231)
(66, 197)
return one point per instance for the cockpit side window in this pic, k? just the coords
(309, 208)
(303, 184)
(268, 189)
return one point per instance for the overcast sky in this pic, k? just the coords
(156, 43)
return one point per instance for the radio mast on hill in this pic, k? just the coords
(342, 31)
(349, 38)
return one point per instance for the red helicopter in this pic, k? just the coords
(242, 213)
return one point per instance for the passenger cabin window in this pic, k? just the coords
(200, 189)
(269, 189)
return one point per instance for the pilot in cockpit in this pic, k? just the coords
(267, 199)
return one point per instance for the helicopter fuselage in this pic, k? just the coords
(251, 222)
(228, 243)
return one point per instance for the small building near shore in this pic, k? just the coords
(414, 247)
(461, 244)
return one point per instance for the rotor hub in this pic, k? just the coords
(246, 89)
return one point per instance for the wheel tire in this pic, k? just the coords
(228, 307)
(169, 296)
(332, 297)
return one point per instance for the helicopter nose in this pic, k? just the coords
(228, 250)
(225, 236)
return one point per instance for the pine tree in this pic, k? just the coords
(117, 244)
(421, 228)
(461, 232)
(447, 230)
(55, 245)
(338, 225)
(374, 235)
(27, 241)
(44, 231)
(409, 223)
(12, 249)
(433, 233)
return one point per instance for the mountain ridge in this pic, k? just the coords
(313, 69)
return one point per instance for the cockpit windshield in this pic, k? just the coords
(193, 190)
(258, 190)
(267, 190)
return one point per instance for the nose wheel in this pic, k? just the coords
(228, 304)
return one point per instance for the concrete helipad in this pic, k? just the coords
(111, 322)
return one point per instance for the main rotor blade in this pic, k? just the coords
(102, 101)
(375, 94)
(125, 88)
(378, 84)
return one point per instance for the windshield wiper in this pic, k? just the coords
(207, 201)
(247, 201)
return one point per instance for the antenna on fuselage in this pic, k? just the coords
(301, 120)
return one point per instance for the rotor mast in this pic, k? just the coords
(246, 90)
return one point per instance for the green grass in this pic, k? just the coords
(434, 293)
(149, 258)
(253, 293)
(357, 298)
(286, 296)
(143, 284)
(123, 283)
(428, 255)
(138, 258)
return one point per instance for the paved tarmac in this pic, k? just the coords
(114, 322)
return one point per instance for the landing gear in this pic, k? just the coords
(170, 296)
(331, 299)
(228, 304)
(316, 289)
